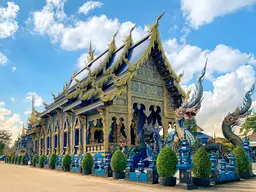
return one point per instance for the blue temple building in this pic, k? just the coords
(123, 92)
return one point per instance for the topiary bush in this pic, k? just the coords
(87, 161)
(118, 161)
(66, 162)
(166, 163)
(19, 159)
(22, 160)
(202, 164)
(10, 159)
(242, 161)
(52, 162)
(41, 161)
(16, 159)
(13, 159)
(35, 159)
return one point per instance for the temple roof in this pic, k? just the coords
(115, 67)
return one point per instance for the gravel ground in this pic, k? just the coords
(17, 178)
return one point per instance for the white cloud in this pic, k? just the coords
(9, 121)
(8, 23)
(72, 34)
(88, 6)
(14, 69)
(3, 58)
(12, 99)
(222, 59)
(38, 99)
(200, 12)
(82, 60)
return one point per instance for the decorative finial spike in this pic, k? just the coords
(159, 17)
(115, 34)
(33, 103)
(90, 53)
(132, 29)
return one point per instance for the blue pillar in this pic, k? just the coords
(107, 168)
(185, 165)
(152, 175)
(223, 170)
(129, 167)
(214, 170)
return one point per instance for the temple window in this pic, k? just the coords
(66, 135)
(112, 138)
(95, 131)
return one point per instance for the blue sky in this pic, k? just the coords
(42, 42)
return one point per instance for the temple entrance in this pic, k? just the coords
(142, 127)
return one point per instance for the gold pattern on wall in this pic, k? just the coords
(146, 89)
(113, 94)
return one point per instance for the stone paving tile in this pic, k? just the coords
(17, 178)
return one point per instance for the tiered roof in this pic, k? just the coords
(113, 69)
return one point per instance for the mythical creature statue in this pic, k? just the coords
(232, 119)
(187, 110)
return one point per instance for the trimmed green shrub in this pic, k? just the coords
(242, 161)
(52, 162)
(166, 162)
(66, 162)
(13, 159)
(41, 160)
(35, 159)
(87, 161)
(118, 161)
(22, 160)
(202, 164)
(16, 159)
(19, 160)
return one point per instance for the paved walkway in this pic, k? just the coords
(17, 178)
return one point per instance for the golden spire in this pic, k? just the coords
(91, 51)
(33, 119)
(23, 131)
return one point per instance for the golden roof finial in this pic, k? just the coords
(23, 133)
(91, 51)
(33, 119)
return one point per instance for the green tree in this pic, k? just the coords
(192, 123)
(5, 139)
(249, 124)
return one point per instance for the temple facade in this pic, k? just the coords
(116, 99)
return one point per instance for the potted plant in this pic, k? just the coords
(13, 159)
(16, 159)
(242, 163)
(35, 159)
(10, 159)
(166, 166)
(20, 157)
(87, 164)
(52, 163)
(66, 162)
(41, 161)
(118, 164)
(202, 168)
(22, 161)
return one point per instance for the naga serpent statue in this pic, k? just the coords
(232, 119)
(188, 110)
